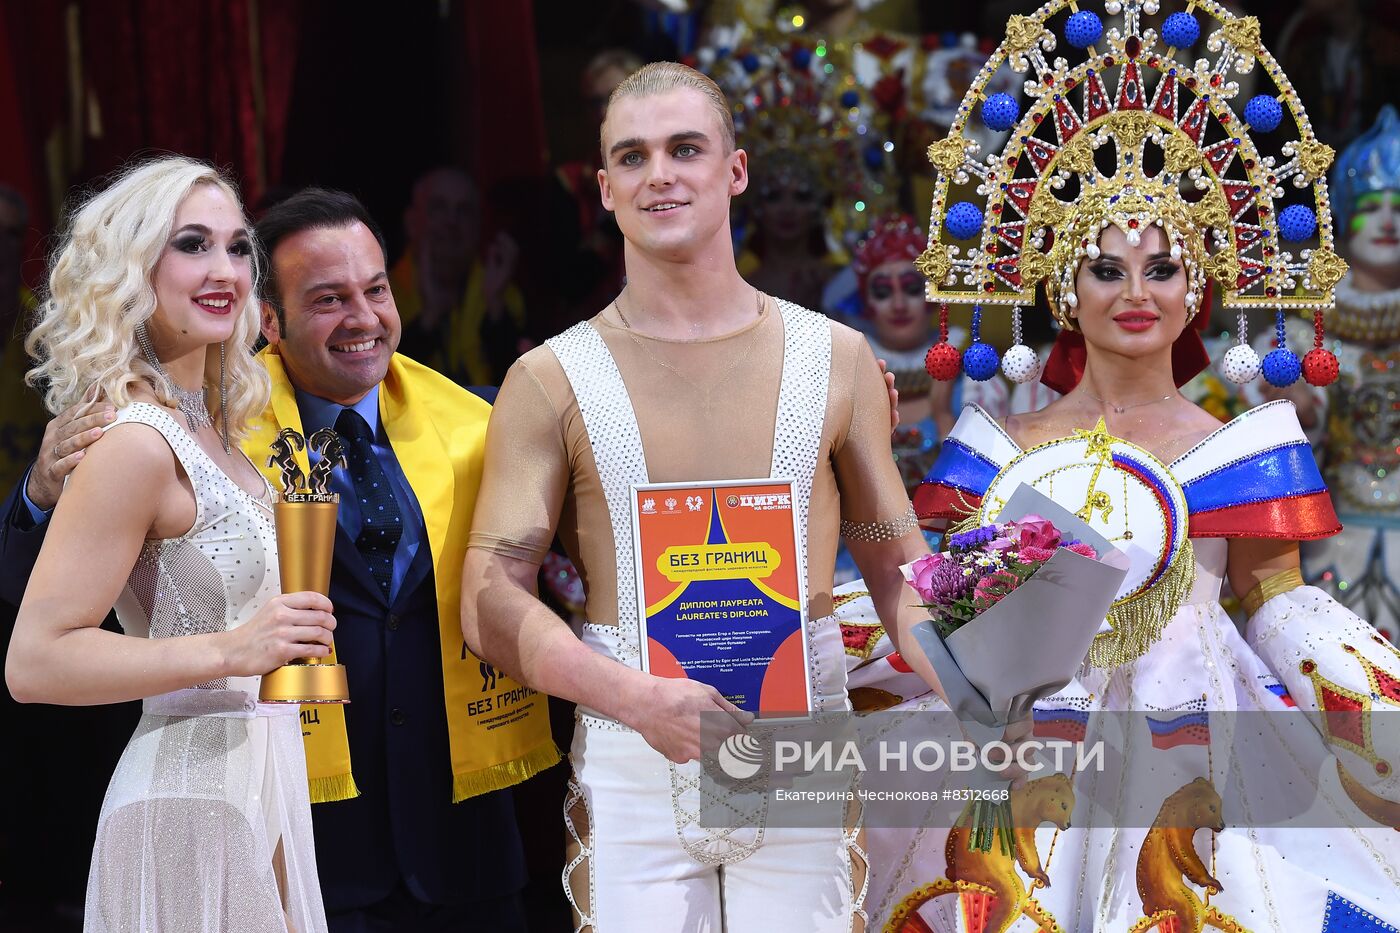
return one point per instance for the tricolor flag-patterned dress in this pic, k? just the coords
(1247, 778)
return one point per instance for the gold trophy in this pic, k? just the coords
(305, 546)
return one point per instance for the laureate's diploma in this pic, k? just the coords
(720, 595)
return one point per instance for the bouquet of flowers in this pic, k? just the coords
(985, 565)
(1014, 606)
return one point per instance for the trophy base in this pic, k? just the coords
(305, 683)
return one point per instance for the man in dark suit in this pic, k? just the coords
(394, 852)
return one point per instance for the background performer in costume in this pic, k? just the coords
(1360, 567)
(207, 823)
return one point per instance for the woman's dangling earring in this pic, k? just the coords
(223, 395)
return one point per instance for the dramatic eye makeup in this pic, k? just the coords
(1160, 268)
(197, 239)
(189, 242)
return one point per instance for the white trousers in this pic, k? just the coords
(637, 863)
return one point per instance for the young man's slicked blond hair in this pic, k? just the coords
(662, 77)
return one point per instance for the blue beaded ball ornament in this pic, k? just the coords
(750, 63)
(1263, 113)
(1000, 112)
(850, 99)
(802, 57)
(1281, 367)
(1180, 30)
(963, 221)
(1297, 222)
(980, 361)
(1083, 29)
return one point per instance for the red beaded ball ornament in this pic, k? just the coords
(943, 362)
(1320, 367)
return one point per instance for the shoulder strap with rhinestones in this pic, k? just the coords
(611, 423)
(797, 435)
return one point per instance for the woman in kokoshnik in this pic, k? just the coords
(1262, 819)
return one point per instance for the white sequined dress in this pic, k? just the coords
(206, 826)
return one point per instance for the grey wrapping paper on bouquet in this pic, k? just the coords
(1030, 644)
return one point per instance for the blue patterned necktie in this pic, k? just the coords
(382, 524)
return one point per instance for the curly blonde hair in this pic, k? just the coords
(100, 287)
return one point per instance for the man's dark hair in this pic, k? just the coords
(308, 209)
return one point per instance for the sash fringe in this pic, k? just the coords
(333, 787)
(472, 783)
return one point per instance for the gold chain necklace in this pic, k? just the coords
(738, 361)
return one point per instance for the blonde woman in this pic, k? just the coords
(206, 825)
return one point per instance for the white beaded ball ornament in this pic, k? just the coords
(1020, 364)
(1241, 364)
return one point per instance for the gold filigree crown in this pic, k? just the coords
(1241, 193)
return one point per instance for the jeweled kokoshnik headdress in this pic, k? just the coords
(1133, 135)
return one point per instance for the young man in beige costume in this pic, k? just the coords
(690, 375)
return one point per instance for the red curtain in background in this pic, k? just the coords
(505, 110)
(100, 82)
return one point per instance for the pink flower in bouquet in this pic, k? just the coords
(938, 580)
(995, 585)
(1079, 547)
(1032, 553)
(1035, 531)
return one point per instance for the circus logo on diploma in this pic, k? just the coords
(721, 595)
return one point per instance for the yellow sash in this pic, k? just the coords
(498, 730)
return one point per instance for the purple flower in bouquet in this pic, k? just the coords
(971, 540)
(940, 580)
(1034, 531)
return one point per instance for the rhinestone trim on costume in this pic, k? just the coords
(611, 423)
(891, 529)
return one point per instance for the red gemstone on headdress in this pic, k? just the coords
(1133, 224)
(1190, 82)
(1320, 367)
(991, 287)
(1133, 46)
(1249, 164)
(1271, 292)
(1216, 80)
(1307, 667)
(1382, 767)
